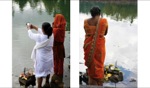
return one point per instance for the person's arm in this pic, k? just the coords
(33, 36)
(84, 25)
(34, 27)
(106, 31)
(106, 24)
(40, 31)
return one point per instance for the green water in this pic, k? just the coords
(51, 7)
(117, 10)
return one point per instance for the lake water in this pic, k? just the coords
(36, 12)
(121, 40)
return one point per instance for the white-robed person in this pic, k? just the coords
(42, 53)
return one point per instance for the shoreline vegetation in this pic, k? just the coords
(52, 7)
(112, 1)
(117, 9)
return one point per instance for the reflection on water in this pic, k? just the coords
(36, 12)
(52, 7)
(117, 10)
(121, 41)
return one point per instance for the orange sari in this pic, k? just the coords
(94, 48)
(59, 26)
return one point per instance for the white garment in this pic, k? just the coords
(42, 53)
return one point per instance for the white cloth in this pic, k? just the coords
(37, 46)
(42, 53)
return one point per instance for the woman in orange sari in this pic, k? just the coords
(94, 46)
(59, 26)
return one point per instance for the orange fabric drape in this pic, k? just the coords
(96, 63)
(59, 26)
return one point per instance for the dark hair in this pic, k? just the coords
(95, 11)
(47, 28)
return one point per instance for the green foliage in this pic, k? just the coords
(52, 7)
(117, 10)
